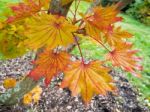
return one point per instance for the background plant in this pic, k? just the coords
(140, 10)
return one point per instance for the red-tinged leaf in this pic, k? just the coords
(49, 64)
(116, 35)
(87, 79)
(24, 9)
(104, 17)
(122, 56)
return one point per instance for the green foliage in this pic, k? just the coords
(10, 38)
(4, 10)
(140, 10)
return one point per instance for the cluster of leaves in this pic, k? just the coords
(53, 34)
(33, 96)
(141, 11)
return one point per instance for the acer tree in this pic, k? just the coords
(44, 27)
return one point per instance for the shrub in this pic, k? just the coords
(140, 10)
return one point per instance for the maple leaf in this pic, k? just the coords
(33, 96)
(49, 30)
(93, 31)
(27, 99)
(116, 35)
(25, 9)
(49, 64)
(87, 79)
(122, 56)
(103, 17)
(42, 3)
(9, 83)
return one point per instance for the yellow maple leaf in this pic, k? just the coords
(36, 97)
(87, 79)
(37, 89)
(36, 94)
(27, 99)
(93, 32)
(49, 30)
(33, 96)
(10, 38)
(9, 83)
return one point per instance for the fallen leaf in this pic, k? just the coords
(9, 83)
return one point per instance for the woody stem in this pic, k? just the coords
(102, 45)
(76, 40)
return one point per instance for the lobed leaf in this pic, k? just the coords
(49, 64)
(87, 79)
(122, 56)
(49, 30)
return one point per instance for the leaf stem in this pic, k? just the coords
(76, 40)
(102, 44)
(76, 8)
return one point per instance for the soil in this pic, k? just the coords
(55, 99)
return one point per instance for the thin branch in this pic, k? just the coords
(123, 3)
(76, 8)
(76, 40)
(101, 44)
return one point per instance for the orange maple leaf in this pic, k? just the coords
(122, 56)
(116, 35)
(99, 24)
(87, 79)
(93, 31)
(103, 17)
(49, 30)
(49, 64)
(25, 9)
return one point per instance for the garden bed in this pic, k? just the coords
(55, 99)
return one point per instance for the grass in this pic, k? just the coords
(141, 41)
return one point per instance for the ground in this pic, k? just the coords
(55, 99)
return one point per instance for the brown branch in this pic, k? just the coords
(123, 3)
(57, 8)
